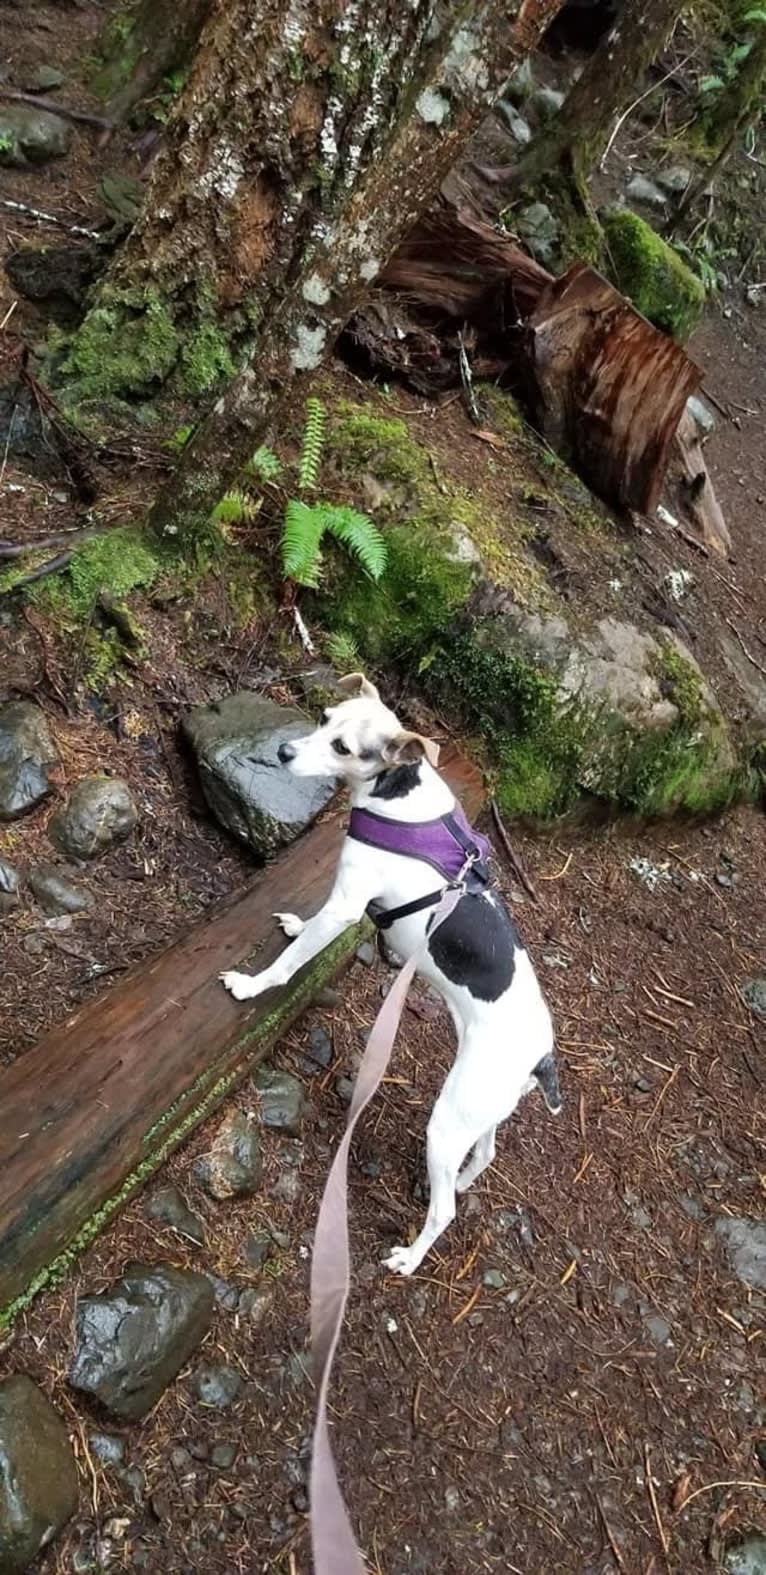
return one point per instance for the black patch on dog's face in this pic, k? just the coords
(397, 782)
(476, 946)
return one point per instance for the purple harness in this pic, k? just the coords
(450, 845)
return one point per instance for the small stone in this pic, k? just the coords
(519, 128)
(226, 1295)
(56, 894)
(26, 755)
(657, 1328)
(328, 998)
(38, 1474)
(344, 1088)
(255, 1305)
(288, 1187)
(701, 415)
(107, 1448)
(169, 1207)
(366, 954)
(217, 1387)
(132, 1341)
(31, 136)
(161, 1506)
(223, 1456)
(281, 1100)
(180, 1459)
(760, 1453)
(9, 879)
(494, 1280)
(674, 178)
(100, 812)
(43, 79)
(691, 1207)
(641, 189)
(300, 1500)
(726, 879)
(545, 102)
(745, 1244)
(642, 1085)
(258, 1247)
(746, 1557)
(754, 995)
(233, 1166)
(537, 226)
(521, 83)
(198, 1448)
(296, 1369)
(320, 1046)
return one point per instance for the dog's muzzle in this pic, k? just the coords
(286, 753)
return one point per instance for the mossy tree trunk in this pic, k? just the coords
(576, 139)
(739, 106)
(307, 140)
(142, 43)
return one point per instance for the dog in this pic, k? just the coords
(405, 825)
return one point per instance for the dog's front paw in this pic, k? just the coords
(290, 924)
(401, 1261)
(243, 986)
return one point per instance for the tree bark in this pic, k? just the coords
(141, 44)
(739, 106)
(306, 144)
(578, 136)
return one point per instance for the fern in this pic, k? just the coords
(301, 539)
(313, 445)
(357, 533)
(341, 650)
(235, 508)
(264, 465)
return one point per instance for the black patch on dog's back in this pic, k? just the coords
(476, 946)
(397, 782)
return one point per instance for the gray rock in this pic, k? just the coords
(493, 1279)
(60, 275)
(366, 954)
(101, 812)
(745, 1245)
(107, 1448)
(521, 84)
(232, 1167)
(43, 79)
(320, 1045)
(517, 125)
(754, 995)
(223, 1456)
(169, 1207)
(545, 103)
(657, 1327)
(132, 1340)
(26, 754)
(55, 893)
(31, 136)
(9, 879)
(258, 1247)
(226, 1295)
(538, 228)
(282, 1099)
(288, 1188)
(344, 1088)
(235, 743)
(747, 1557)
(217, 1387)
(38, 1475)
(255, 1305)
(675, 178)
(641, 189)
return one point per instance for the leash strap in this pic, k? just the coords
(334, 1546)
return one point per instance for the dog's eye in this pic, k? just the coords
(339, 747)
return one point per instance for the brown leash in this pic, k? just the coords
(334, 1546)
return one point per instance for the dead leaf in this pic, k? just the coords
(681, 1491)
(489, 437)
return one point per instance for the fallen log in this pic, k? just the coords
(88, 1115)
(605, 388)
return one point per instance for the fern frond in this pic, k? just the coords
(342, 652)
(357, 533)
(235, 508)
(301, 539)
(313, 445)
(264, 465)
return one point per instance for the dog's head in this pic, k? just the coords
(356, 740)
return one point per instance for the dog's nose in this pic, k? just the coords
(286, 753)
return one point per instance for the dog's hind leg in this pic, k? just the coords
(448, 1144)
(483, 1155)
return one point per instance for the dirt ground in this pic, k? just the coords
(575, 1378)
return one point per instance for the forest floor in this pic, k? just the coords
(574, 1379)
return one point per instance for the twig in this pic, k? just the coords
(629, 111)
(723, 408)
(653, 1500)
(613, 1543)
(51, 567)
(709, 1487)
(303, 634)
(49, 218)
(9, 550)
(748, 654)
(82, 115)
(518, 870)
(467, 381)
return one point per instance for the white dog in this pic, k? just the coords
(405, 825)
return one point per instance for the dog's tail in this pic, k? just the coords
(547, 1078)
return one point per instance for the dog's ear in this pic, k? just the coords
(407, 747)
(356, 684)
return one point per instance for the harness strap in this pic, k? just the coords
(383, 918)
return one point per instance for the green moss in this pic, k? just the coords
(362, 442)
(127, 344)
(205, 360)
(690, 767)
(120, 561)
(652, 274)
(119, 51)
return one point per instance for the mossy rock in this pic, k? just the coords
(652, 274)
(131, 344)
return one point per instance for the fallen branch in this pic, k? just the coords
(53, 565)
(42, 217)
(756, 664)
(81, 115)
(11, 550)
(513, 859)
